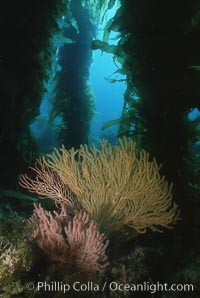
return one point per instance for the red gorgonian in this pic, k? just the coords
(76, 240)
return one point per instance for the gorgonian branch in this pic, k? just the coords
(47, 184)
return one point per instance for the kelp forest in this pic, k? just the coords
(110, 215)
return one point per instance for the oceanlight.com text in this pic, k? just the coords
(91, 286)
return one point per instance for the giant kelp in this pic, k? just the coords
(158, 61)
(26, 61)
(160, 50)
(76, 105)
(74, 100)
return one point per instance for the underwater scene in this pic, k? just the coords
(100, 149)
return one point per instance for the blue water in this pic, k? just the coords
(194, 114)
(108, 96)
(42, 129)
